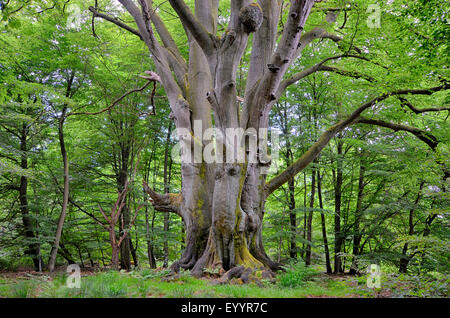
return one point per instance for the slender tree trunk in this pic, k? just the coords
(133, 250)
(64, 252)
(62, 145)
(150, 254)
(292, 220)
(101, 251)
(338, 237)
(405, 258)
(305, 195)
(124, 224)
(358, 214)
(91, 261)
(324, 227)
(166, 190)
(33, 248)
(426, 232)
(148, 232)
(62, 217)
(291, 185)
(80, 255)
(310, 218)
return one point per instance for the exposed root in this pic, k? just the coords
(245, 275)
(187, 261)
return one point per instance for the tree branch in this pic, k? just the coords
(204, 39)
(342, 72)
(262, 96)
(178, 104)
(320, 67)
(426, 137)
(167, 38)
(150, 79)
(164, 202)
(115, 21)
(406, 103)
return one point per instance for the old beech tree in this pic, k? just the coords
(222, 204)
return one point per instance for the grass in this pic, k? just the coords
(295, 282)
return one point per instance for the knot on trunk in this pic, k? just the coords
(251, 17)
(234, 171)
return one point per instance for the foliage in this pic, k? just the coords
(296, 274)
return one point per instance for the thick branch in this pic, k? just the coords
(167, 39)
(190, 22)
(264, 41)
(115, 21)
(259, 99)
(316, 33)
(160, 56)
(342, 72)
(406, 103)
(320, 67)
(426, 137)
(164, 202)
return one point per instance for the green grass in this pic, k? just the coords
(295, 282)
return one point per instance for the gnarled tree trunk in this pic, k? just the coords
(221, 202)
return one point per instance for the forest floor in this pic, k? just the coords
(153, 283)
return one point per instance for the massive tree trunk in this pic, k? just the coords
(221, 202)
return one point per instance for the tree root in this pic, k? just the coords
(244, 275)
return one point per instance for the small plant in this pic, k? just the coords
(117, 289)
(22, 289)
(295, 275)
(8, 265)
(150, 274)
(213, 272)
